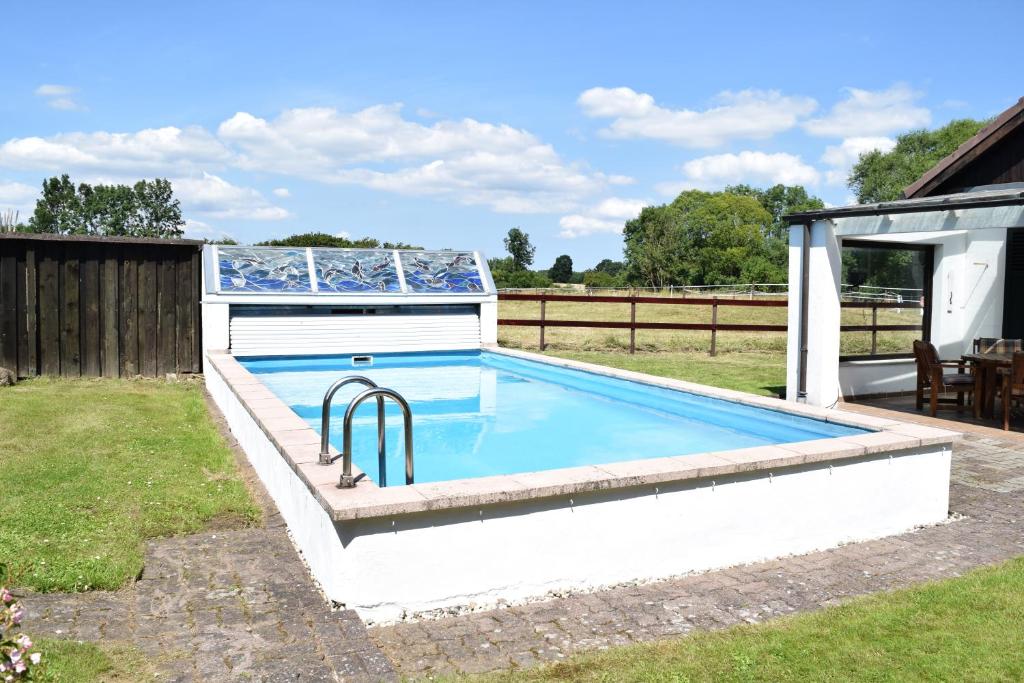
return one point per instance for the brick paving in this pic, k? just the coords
(985, 527)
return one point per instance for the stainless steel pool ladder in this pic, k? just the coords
(325, 418)
(373, 391)
(380, 393)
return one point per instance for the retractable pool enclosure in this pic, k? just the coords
(265, 301)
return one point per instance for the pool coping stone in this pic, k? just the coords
(298, 444)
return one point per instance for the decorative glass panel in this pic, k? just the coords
(342, 271)
(255, 269)
(441, 271)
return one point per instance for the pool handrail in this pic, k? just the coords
(347, 481)
(325, 421)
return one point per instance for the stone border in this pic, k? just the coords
(299, 445)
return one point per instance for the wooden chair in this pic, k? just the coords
(1012, 385)
(931, 375)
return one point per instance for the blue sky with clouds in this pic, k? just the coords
(446, 123)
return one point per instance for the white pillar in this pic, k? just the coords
(796, 241)
(216, 327)
(489, 323)
(824, 271)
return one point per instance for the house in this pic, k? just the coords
(961, 223)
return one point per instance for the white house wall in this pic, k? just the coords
(967, 302)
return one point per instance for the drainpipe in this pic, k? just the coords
(805, 286)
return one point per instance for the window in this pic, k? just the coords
(886, 299)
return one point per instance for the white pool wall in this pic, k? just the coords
(393, 566)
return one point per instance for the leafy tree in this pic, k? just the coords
(779, 200)
(561, 271)
(881, 176)
(655, 246)
(704, 238)
(599, 278)
(517, 243)
(613, 268)
(147, 209)
(322, 239)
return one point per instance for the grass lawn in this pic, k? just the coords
(74, 662)
(754, 372)
(92, 468)
(965, 629)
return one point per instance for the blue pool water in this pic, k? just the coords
(479, 413)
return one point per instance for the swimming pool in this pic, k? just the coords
(479, 413)
(537, 475)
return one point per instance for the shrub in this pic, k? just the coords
(16, 656)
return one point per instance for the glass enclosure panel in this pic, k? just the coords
(256, 269)
(884, 287)
(441, 271)
(343, 271)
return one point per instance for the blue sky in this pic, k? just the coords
(445, 124)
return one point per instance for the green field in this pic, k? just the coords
(590, 339)
(92, 468)
(965, 629)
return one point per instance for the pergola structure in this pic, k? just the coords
(966, 215)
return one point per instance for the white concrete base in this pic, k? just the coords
(387, 568)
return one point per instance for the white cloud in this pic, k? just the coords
(214, 197)
(868, 113)
(150, 151)
(757, 168)
(607, 216)
(471, 162)
(467, 161)
(19, 197)
(58, 96)
(843, 156)
(747, 114)
(343, 234)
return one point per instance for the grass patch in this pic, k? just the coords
(92, 468)
(753, 372)
(965, 629)
(73, 661)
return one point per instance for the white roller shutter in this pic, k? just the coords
(275, 335)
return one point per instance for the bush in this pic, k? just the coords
(16, 656)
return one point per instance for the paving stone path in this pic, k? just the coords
(234, 605)
(987, 499)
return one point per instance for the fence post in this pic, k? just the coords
(874, 329)
(543, 301)
(632, 325)
(714, 324)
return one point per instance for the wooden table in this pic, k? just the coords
(985, 379)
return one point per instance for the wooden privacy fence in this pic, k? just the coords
(713, 325)
(92, 306)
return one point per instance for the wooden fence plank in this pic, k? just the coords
(128, 338)
(109, 313)
(49, 308)
(28, 335)
(89, 300)
(166, 357)
(70, 315)
(148, 312)
(183, 314)
(9, 310)
(197, 318)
